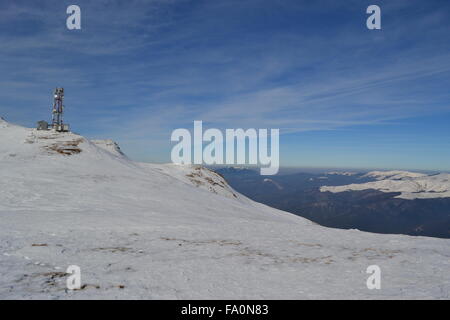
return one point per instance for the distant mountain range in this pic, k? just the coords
(411, 185)
(399, 202)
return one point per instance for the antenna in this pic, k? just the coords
(58, 110)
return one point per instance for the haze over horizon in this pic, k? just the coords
(343, 96)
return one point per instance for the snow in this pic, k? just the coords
(342, 173)
(411, 185)
(276, 184)
(393, 175)
(109, 145)
(155, 231)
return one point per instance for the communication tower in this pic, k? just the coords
(58, 110)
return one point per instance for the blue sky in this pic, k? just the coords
(342, 95)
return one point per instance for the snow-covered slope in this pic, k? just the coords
(165, 231)
(109, 145)
(411, 185)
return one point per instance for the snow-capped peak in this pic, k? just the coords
(109, 145)
(342, 173)
(69, 153)
(393, 175)
(410, 185)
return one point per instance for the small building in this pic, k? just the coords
(62, 127)
(42, 125)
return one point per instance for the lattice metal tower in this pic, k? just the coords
(58, 110)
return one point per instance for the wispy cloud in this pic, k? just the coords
(138, 69)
